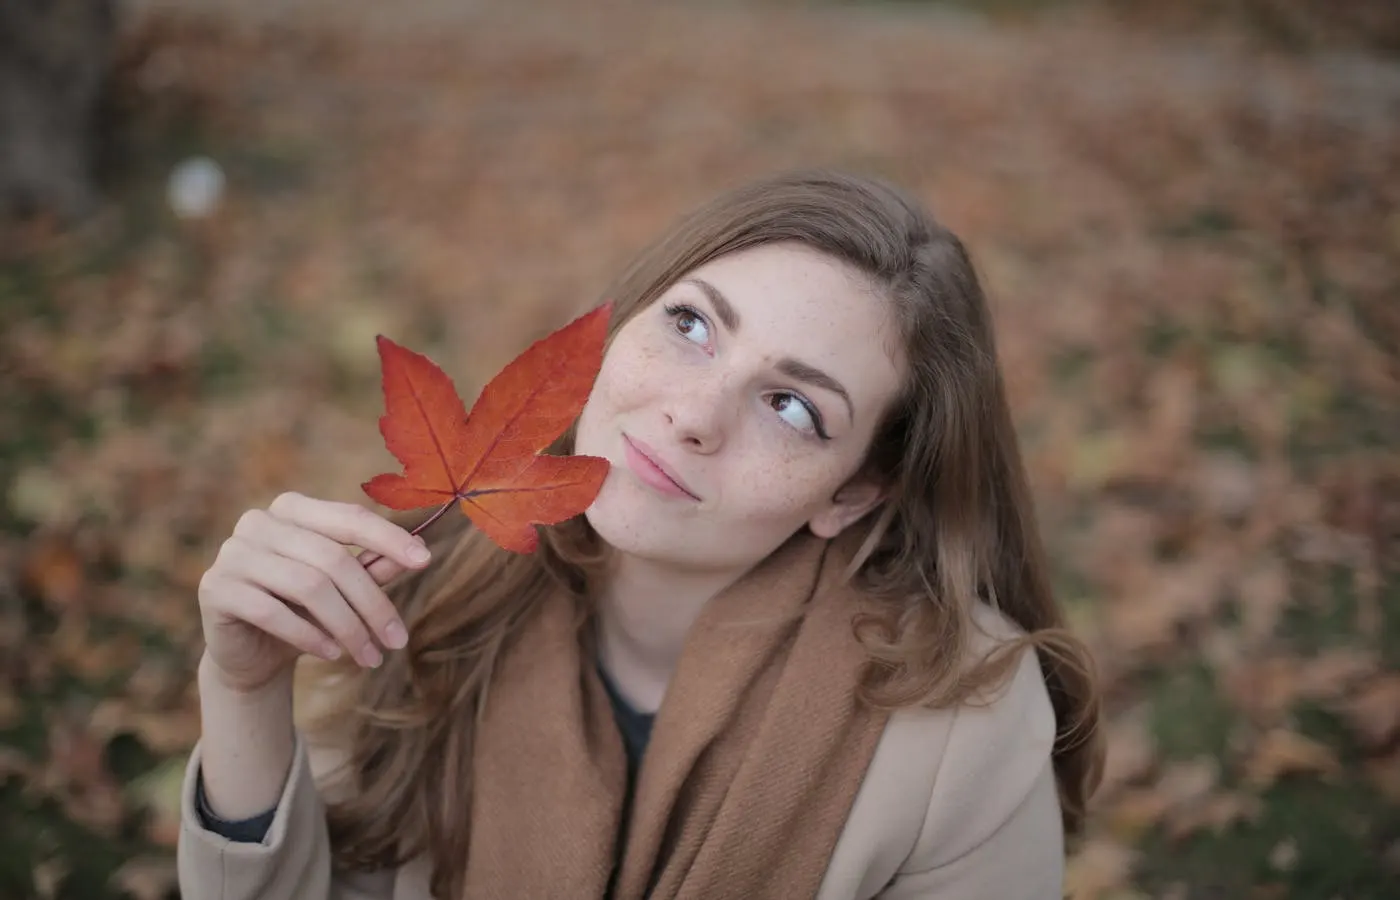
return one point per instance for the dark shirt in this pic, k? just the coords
(635, 728)
(245, 831)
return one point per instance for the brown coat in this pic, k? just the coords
(956, 805)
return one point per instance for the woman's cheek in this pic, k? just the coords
(632, 376)
(781, 487)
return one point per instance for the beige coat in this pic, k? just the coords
(956, 805)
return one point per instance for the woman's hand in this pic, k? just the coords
(284, 584)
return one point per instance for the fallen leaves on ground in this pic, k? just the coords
(1192, 248)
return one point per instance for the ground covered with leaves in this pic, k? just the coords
(1193, 246)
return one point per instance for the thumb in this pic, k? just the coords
(381, 568)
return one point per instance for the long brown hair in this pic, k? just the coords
(959, 528)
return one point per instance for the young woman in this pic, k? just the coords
(801, 645)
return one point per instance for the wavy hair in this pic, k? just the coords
(958, 529)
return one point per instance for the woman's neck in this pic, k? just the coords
(645, 610)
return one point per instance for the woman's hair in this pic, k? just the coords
(958, 528)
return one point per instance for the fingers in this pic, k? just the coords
(294, 556)
(317, 573)
(313, 589)
(382, 569)
(270, 615)
(350, 523)
(359, 585)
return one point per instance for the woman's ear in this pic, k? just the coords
(852, 501)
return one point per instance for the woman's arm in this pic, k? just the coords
(292, 861)
(282, 585)
(251, 760)
(248, 738)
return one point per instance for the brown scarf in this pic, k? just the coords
(754, 759)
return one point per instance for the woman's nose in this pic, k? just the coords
(700, 414)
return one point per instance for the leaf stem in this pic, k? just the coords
(442, 511)
(373, 558)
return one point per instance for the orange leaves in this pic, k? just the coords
(490, 459)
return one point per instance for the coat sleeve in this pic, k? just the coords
(993, 828)
(292, 862)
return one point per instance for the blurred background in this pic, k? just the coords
(1187, 214)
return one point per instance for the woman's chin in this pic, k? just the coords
(631, 525)
(624, 527)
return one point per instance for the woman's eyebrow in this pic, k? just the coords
(723, 308)
(793, 368)
(801, 371)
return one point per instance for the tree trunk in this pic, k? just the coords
(54, 57)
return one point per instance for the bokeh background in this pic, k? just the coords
(1187, 215)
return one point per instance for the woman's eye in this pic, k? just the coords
(798, 414)
(690, 324)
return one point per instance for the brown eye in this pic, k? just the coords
(689, 323)
(798, 413)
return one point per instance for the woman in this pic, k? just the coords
(783, 654)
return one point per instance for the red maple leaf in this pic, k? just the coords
(490, 460)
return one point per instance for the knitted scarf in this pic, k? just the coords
(755, 756)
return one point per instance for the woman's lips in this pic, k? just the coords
(642, 460)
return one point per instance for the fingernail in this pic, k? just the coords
(371, 656)
(418, 553)
(330, 651)
(395, 636)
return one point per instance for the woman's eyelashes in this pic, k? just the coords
(689, 323)
(794, 409)
(808, 420)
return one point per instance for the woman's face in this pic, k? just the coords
(737, 407)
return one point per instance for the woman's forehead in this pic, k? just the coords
(776, 283)
(793, 301)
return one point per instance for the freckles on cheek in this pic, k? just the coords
(633, 372)
(783, 486)
(616, 376)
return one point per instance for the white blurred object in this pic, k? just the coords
(195, 188)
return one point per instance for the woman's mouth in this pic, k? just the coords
(653, 471)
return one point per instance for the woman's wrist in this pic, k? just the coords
(212, 681)
(247, 743)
